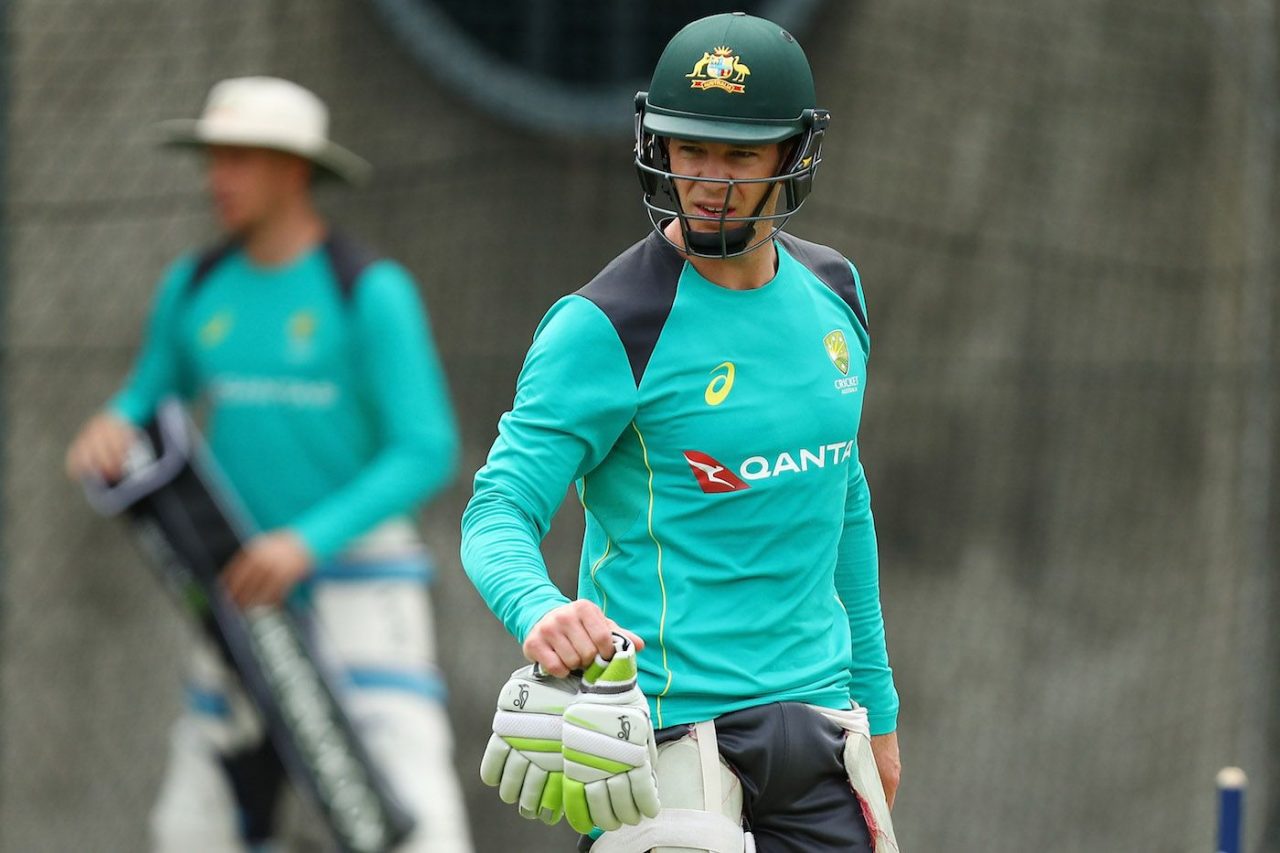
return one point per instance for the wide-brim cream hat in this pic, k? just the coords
(267, 112)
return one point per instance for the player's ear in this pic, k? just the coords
(786, 151)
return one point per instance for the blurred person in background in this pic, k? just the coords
(704, 393)
(327, 409)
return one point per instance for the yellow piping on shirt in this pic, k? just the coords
(608, 546)
(662, 586)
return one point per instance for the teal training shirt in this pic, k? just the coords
(712, 435)
(328, 411)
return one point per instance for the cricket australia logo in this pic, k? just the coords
(216, 329)
(837, 350)
(837, 347)
(720, 69)
(300, 331)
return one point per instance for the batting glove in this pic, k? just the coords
(609, 753)
(523, 757)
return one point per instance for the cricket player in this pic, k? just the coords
(326, 408)
(703, 392)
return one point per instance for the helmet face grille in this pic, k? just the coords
(735, 235)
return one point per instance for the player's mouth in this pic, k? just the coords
(715, 211)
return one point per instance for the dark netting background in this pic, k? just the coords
(1064, 217)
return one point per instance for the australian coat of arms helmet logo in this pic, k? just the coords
(720, 69)
(837, 350)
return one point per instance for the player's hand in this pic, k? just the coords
(885, 749)
(572, 636)
(609, 750)
(522, 759)
(99, 449)
(266, 569)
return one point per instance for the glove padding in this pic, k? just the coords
(523, 757)
(609, 752)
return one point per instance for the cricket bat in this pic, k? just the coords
(188, 521)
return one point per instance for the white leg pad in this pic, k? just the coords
(701, 804)
(864, 777)
(860, 763)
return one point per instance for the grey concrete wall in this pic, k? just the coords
(1044, 204)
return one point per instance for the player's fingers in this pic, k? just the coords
(599, 631)
(280, 590)
(554, 664)
(269, 591)
(90, 458)
(635, 639)
(105, 458)
(264, 588)
(566, 634)
(272, 584)
(121, 438)
(79, 461)
(573, 647)
(537, 651)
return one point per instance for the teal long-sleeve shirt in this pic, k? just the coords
(712, 436)
(327, 411)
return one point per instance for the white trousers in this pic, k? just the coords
(370, 621)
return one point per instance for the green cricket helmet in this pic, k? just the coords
(735, 79)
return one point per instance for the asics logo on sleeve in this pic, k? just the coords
(712, 476)
(720, 385)
(715, 477)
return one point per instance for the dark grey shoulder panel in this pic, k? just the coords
(636, 292)
(830, 266)
(209, 259)
(348, 259)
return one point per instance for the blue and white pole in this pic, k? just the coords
(1231, 787)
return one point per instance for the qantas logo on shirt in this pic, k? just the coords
(711, 475)
(715, 477)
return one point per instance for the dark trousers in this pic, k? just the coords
(795, 789)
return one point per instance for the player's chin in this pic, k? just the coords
(230, 217)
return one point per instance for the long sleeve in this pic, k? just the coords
(159, 371)
(409, 399)
(858, 585)
(574, 398)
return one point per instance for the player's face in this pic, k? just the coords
(249, 185)
(697, 159)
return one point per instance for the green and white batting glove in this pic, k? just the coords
(609, 753)
(523, 757)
